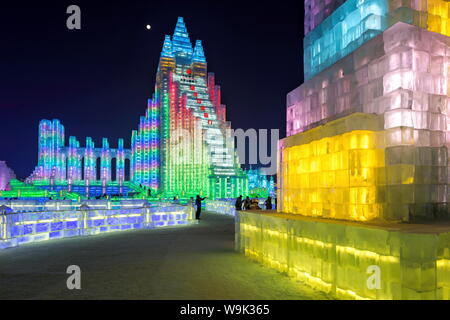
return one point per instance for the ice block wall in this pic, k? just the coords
(221, 206)
(336, 257)
(357, 21)
(317, 10)
(353, 168)
(19, 228)
(6, 174)
(336, 174)
(402, 73)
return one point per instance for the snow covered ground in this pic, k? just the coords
(194, 262)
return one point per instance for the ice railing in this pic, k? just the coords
(19, 228)
(225, 206)
(61, 205)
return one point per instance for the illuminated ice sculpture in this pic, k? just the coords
(367, 142)
(183, 145)
(6, 174)
(73, 164)
(260, 184)
(368, 136)
(330, 37)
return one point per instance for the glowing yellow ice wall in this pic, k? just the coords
(339, 258)
(350, 169)
(330, 173)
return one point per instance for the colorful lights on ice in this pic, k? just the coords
(336, 28)
(182, 147)
(400, 75)
(335, 257)
(20, 228)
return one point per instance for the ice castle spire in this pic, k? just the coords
(181, 41)
(167, 50)
(199, 54)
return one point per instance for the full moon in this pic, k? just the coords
(148, 27)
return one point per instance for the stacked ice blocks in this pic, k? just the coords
(357, 21)
(401, 76)
(336, 257)
(318, 10)
(349, 169)
(402, 73)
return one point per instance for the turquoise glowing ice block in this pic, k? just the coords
(318, 10)
(400, 74)
(357, 21)
(347, 28)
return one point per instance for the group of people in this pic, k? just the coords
(252, 204)
(147, 189)
(102, 196)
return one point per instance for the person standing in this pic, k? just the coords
(198, 203)
(238, 203)
(247, 203)
(268, 203)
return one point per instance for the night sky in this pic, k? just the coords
(97, 80)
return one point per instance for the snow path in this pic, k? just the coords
(194, 262)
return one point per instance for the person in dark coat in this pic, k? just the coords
(268, 203)
(238, 203)
(198, 203)
(247, 203)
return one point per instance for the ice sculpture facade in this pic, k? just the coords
(73, 164)
(6, 174)
(221, 206)
(183, 145)
(401, 73)
(357, 21)
(400, 171)
(318, 10)
(260, 184)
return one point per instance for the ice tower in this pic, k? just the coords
(183, 145)
(366, 150)
(368, 130)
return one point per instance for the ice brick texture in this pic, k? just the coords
(318, 10)
(402, 73)
(335, 257)
(357, 21)
(27, 227)
(354, 169)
